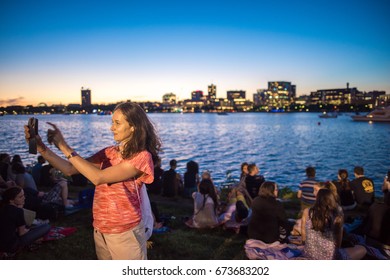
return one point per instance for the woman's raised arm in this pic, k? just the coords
(91, 170)
(56, 161)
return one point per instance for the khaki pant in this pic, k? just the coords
(128, 245)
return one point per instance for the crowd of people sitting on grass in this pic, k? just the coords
(332, 215)
(25, 209)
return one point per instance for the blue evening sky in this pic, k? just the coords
(140, 50)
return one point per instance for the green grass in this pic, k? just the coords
(78, 246)
(181, 243)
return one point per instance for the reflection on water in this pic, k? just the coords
(282, 145)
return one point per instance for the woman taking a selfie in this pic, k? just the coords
(118, 172)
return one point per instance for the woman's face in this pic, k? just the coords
(19, 199)
(120, 127)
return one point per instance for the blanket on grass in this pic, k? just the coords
(56, 233)
(258, 250)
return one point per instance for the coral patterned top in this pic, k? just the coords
(116, 206)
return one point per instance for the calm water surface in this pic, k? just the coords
(282, 145)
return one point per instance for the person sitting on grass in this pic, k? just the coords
(22, 178)
(205, 206)
(344, 190)
(170, 183)
(156, 186)
(14, 234)
(306, 189)
(297, 228)
(59, 191)
(268, 223)
(36, 169)
(322, 230)
(191, 178)
(363, 189)
(206, 175)
(253, 180)
(377, 223)
(244, 171)
(5, 167)
(237, 212)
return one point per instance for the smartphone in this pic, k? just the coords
(33, 130)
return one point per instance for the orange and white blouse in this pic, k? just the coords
(116, 206)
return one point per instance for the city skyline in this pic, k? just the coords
(129, 50)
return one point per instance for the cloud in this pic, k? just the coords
(11, 101)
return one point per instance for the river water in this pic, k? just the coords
(282, 145)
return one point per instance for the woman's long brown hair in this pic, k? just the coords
(324, 211)
(144, 136)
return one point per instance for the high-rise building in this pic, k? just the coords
(260, 97)
(197, 95)
(235, 94)
(280, 94)
(336, 96)
(85, 97)
(237, 99)
(212, 92)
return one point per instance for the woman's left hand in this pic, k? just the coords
(54, 136)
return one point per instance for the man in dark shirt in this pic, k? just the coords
(362, 187)
(170, 182)
(156, 186)
(253, 181)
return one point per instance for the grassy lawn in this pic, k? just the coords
(181, 243)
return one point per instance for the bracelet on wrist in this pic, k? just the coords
(72, 154)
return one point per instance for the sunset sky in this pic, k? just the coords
(140, 50)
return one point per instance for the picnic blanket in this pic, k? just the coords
(258, 250)
(56, 233)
